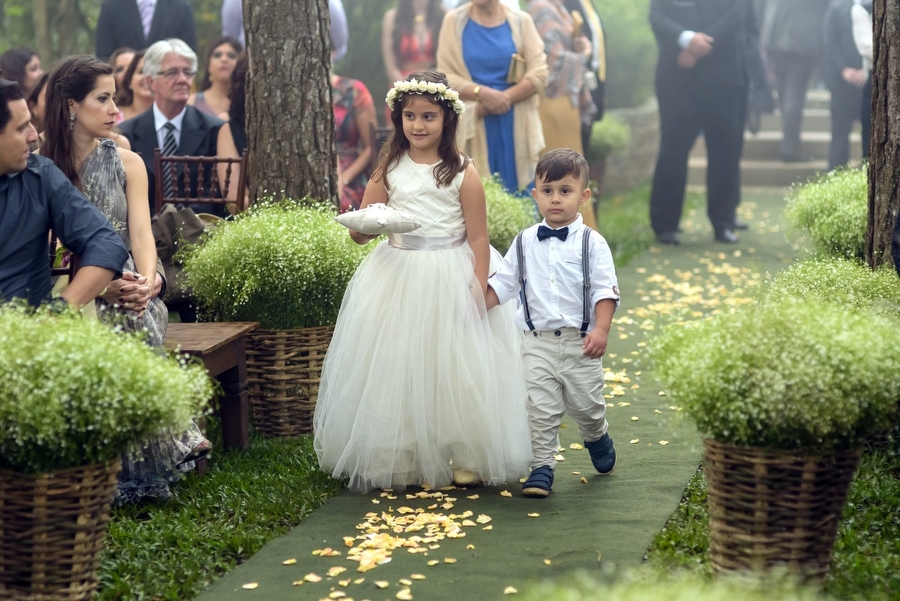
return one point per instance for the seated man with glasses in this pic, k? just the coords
(170, 124)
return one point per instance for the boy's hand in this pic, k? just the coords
(595, 343)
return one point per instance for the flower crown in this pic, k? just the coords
(439, 90)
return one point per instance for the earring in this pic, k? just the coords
(71, 120)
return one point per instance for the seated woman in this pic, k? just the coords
(37, 101)
(232, 140)
(134, 97)
(120, 59)
(79, 118)
(494, 57)
(213, 97)
(354, 115)
(23, 66)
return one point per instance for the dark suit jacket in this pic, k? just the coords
(119, 25)
(726, 21)
(837, 41)
(199, 134)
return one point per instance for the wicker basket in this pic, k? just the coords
(52, 528)
(769, 507)
(283, 372)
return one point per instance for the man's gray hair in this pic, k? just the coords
(156, 54)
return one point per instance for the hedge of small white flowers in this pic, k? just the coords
(285, 265)
(831, 213)
(793, 374)
(507, 214)
(75, 392)
(840, 281)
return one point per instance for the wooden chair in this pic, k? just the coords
(379, 136)
(195, 180)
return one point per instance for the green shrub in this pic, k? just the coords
(507, 214)
(831, 213)
(794, 374)
(684, 587)
(842, 282)
(76, 392)
(607, 136)
(630, 51)
(284, 265)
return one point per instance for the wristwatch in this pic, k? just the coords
(475, 91)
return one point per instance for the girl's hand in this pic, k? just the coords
(361, 238)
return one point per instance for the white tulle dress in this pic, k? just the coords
(417, 380)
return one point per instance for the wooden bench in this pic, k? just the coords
(221, 348)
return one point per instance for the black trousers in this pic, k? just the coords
(685, 112)
(846, 103)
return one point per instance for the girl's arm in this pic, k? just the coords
(375, 193)
(143, 245)
(475, 213)
(225, 147)
(387, 46)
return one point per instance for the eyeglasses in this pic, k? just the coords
(173, 73)
(220, 53)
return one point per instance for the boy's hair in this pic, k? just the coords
(397, 143)
(9, 92)
(560, 162)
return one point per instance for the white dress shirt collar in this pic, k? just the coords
(159, 121)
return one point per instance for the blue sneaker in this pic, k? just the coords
(539, 482)
(603, 454)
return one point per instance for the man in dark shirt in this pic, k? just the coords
(35, 197)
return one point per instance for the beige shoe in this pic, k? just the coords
(465, 477)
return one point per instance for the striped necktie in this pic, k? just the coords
(168, 149)
(146, 7)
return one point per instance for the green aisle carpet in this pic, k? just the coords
(588, 521)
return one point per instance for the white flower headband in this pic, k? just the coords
(439, 90)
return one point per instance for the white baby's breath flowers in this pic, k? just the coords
(414, 86)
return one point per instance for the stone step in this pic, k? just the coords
(768, 174)
(766, 146)
(815, 119)
(818, 98)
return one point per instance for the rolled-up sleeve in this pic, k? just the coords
(505, 282)
(604, 284)
(80, 225)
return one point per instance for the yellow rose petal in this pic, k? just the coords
(663, 442)
(250, 586)
(634, 418)
(635, 440)
(473, 497)
(405, 581)
(583, 479)
(534, 515)
(505, 493)
(510, 590)
(382, 583)
(559, 457)
(335, 571)
(404, 594)
(312, 577)
(488, 528)
(298, 582)
(417, 576)
(345, 583)
(449, 560)
(337, 595)
(547, 562)
(576, 473)
(289, 562)
(470, 547)
(575, 446)
(433, 562)
(359, 581)
(662, 393)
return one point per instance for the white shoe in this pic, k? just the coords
(465, 477)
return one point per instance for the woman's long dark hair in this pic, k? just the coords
(13, 63)
(404, 20)
(206, 84)
(125, 96)
(33, 97)
(237, 112)
(397, 144)
(72, 78)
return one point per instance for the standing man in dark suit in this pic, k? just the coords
(701, 86)
(845, 77)
(170, 66)
(140, 23)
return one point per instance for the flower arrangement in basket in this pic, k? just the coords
(784, 393)
(285, 265)
(74, 395)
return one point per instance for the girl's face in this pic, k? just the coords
(33, 72)
(37, 111)
(96, 114)
(423, 122)
(122, 62)
(139, 85)
(222, 62)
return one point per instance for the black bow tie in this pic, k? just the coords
(545, 232)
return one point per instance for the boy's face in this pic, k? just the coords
(558, 201)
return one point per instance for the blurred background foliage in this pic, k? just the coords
(56, 28)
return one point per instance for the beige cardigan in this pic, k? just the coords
(471, 136)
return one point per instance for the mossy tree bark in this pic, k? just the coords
(884, 159)
(290, 123)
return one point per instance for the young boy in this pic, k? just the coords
(564, 277)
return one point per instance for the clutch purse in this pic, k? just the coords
(516, 70)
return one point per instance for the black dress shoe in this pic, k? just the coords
(727, 236)
(668, 238)
(740, 225)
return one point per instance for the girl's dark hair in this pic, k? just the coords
(404, 21)
(72, 78)
(112, 60)
(237, 94)
(13, 63)
(125, 96)
(450, 164)
(34, 96)
(206, 84)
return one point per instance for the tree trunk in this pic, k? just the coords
(66, 26)
(290, 123)
(43, 40)
(884, 161)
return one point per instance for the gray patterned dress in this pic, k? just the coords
(147, 472)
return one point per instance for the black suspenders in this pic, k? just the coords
(585, 285)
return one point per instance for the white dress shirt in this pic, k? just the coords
(159, 122)
(554, 278)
